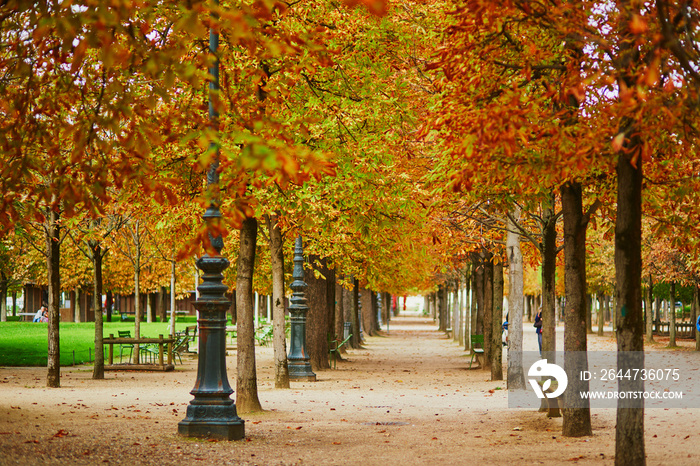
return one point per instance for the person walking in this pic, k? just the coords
(538, 328)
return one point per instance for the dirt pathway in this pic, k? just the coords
(407, 398)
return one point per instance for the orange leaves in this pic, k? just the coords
(376, 7)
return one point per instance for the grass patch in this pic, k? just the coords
(26, 343)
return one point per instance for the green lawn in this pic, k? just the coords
(26, 343)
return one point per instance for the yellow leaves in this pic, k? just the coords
(652, 75)
(618, 142)
(78, 55)
(638, 25)
(376, 7)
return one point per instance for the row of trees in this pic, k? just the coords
(398, 146)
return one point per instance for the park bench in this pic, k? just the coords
(163, 344)
(478, 352)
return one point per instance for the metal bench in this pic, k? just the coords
(478, 352)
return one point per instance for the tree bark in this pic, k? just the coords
(279, 341)
(456, 310)
(488, 307)
(497, 321)
(109, 304)
(649, 321)
(3, 298)
(672, 318)
(317, 319)
(516, 375)
(549, 267)
(98, 370)
(53, 262)
(696, 300)
(577, 414)
(246, 378)
(367, 311)
(355, 341)
(629, 439)
(478, 287)
(599, 312)
(339, 327)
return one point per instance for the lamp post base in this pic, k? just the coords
(213, 422)
(301, 372)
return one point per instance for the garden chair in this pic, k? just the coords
(123, 346)
(334, 346)
(478, 352)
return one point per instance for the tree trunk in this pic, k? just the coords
(549, 268)
(246, 379)
(696, 300)
(516, 375)
(456, 310)
(137, 311)
(441, 307)
(79, 308)
(355, 341)
(577, 414)
(629, 440)
(497, 321)
(601, 321)
(672, 318)
(53, 262)
(367, 311)
(339, 328)
(648, 311)
(3, 298)
(317, 319)
(98, 370)
(488, 307)
(589, 314)
(479, 289)
(109, 303)
(279, 341)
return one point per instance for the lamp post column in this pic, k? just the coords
(212, 412)
(298, 358)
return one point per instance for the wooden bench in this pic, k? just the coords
(478, 352)
(160, 341)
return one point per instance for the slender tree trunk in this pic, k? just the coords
(549, 267)
(355, 341)
(53, 262)
(317, 321)
(516, 375)
(629, 440)
(339, 328)
(497, 321)
(246, 379)
(479, 289)
(173, 314)
(601, 321)
(696, 300)
(488, 307)
(441, 307)
(456, 310)
(672, 318)
(3, 298)
(137, 309)
(648, 311)
(109, 303)
(278, 327)
(367, 312)
(98, 370)
(78, 308)
(577, 414)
